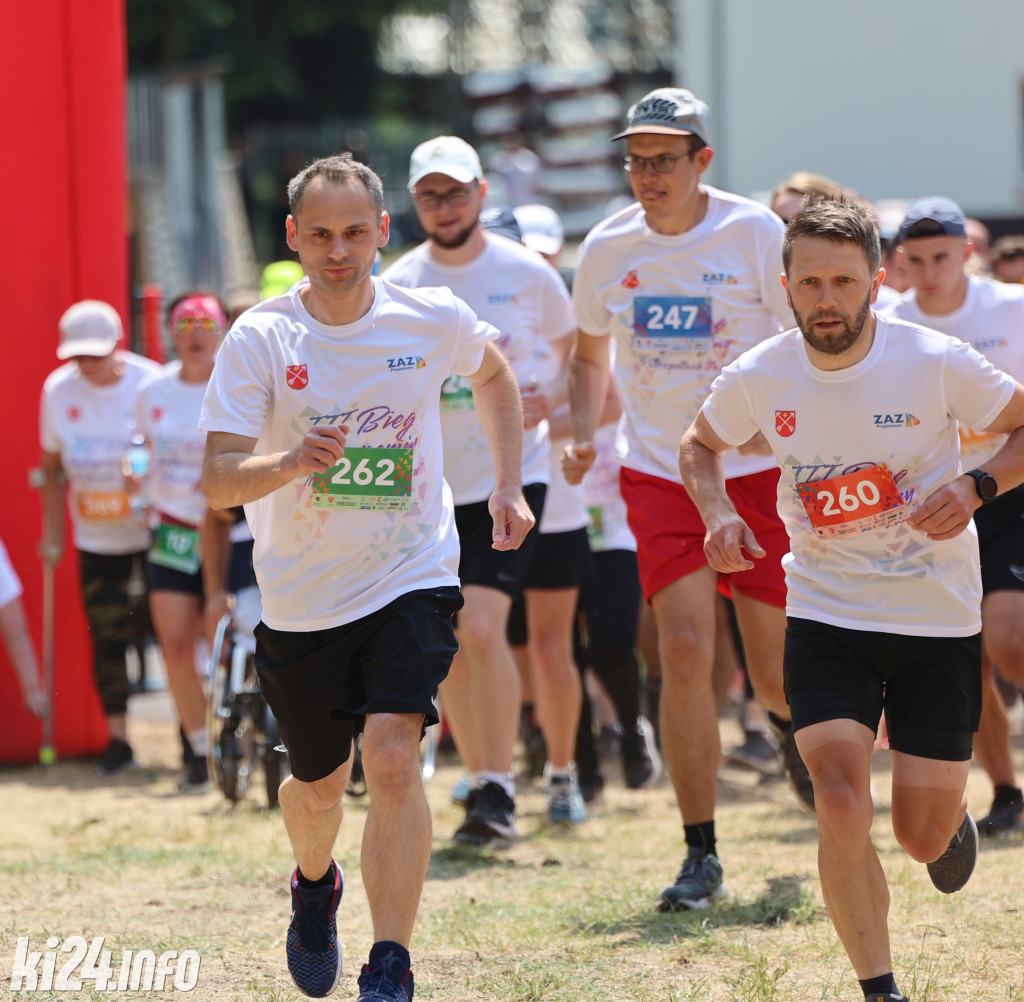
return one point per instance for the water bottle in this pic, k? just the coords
(136, 470)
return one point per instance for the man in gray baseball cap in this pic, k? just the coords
(685, 280)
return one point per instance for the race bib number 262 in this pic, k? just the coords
(366, 479)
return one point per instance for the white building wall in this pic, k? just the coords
(896, 98)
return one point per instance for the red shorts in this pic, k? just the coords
(670, 534)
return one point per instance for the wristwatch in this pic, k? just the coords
(985, 484)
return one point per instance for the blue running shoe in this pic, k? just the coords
(565, 802)
(389, 980)
(314, 955)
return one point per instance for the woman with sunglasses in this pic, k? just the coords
(167, 415)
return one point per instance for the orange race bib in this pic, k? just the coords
(103, 506)
(857, 502)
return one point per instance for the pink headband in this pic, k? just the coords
(198, 307)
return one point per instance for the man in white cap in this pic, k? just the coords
(685, 279)
(513, 289)
(935, 246)
(86, 420)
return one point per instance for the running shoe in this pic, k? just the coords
(641, 763)
(314, 954)
(1005, 815)
(117, 757)
(565, 802)
(195, 778)
(885, 997)
(757, 752)
(796, 772)
(460, 791)
(383, 983)
(954, 867)
(491, 816)
(697, 884)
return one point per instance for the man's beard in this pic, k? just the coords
(457, 239)
(837, 343)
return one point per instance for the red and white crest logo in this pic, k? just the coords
(74, 413)
(631, 281)
(785, 423)
(297, 376)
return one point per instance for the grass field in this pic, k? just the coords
(557, 917)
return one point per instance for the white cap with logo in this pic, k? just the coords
(90, 327)
(447, 155)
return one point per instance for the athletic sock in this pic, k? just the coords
(701, 836)
(390, 954)
(327, 878)
(504, 779)
(884, 983)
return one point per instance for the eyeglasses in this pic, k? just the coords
(199, 325)
(457, 198)
(663, 164)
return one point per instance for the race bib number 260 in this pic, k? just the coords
(366, 479)
(857, 502)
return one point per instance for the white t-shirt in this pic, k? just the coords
(565, 506)
(10, 584)
(167, 413)
(887, 296)
(91, 427)
(899, 406)
(334, 548)
(608, 527)
(990, 320)
(680, 308)
(518, 292)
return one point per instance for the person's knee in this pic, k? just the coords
(318, 796)
(687, 654)
(480, 632)
(921, 835)
(390, 753)
(842, 800)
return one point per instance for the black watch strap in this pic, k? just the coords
(985, 485)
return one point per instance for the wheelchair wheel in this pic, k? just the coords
(221, 717)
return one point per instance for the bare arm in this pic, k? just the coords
(497, 403)
(22, 655)
(946, 512)
(589, 373)
(232, 475)
(700, 463)
(215, 551)
(53, 494)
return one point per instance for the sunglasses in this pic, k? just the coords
(202, 325)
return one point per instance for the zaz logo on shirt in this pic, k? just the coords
(500, 298)
(405, 362)
(719, 278)
(903, 420)
(297, 376)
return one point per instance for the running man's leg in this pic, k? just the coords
(312, 815)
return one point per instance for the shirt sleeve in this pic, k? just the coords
(557, 320)
(472, 335)
(728, 408)
(592, 316)
(976, 391)
(48, 440)
(238, 395)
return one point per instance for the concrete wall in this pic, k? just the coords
(897, 98)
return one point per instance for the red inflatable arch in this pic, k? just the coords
(63, 224)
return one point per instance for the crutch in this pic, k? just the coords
(47, 753)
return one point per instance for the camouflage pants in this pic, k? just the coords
(105, 580)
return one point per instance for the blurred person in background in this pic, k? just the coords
(17, 640)
(936, 247)
(86, 426)
(684, 280)
(980, 261)
(1008, 258)
(167, 415)
(789, 196)
(512, 288)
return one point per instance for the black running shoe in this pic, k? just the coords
(196, 777)
(697, 884)
(117, 757)
(954, 867)
(796, 772)
(885, 997)
(491, 816)
(1005, 815)
(641, 763)
(384, 982)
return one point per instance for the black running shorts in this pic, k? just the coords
(929, 687)
(1000, 525)
(321, 684)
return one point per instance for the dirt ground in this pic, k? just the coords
(556, 917)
